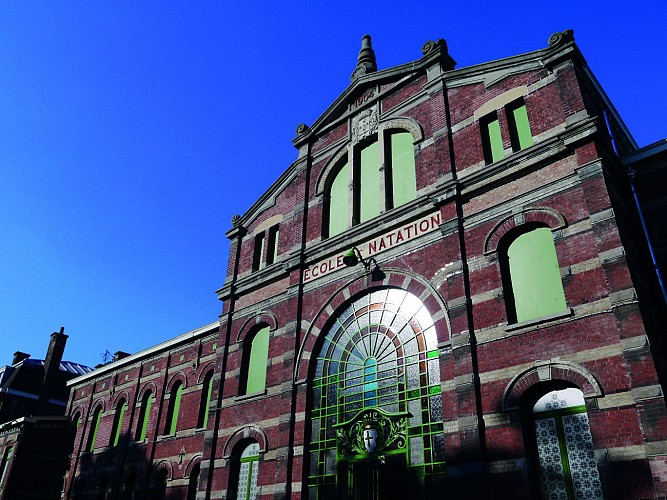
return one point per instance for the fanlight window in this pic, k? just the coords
(380, 352)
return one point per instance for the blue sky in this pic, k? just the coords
(131, 132)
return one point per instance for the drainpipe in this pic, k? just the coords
(656, 267)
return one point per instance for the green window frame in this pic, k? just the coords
(207, 387)
(380, 177)
(521, 136)
(94, 427)
(176, 394)
(256, 355)
(492, 141)
(144, 416)
(258, 253)
(564, 443)
(246, 488)
(532, 282)
(380, 351)
(121, 408)
(272, 249)
(5, 465)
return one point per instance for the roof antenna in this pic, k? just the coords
(366, 60)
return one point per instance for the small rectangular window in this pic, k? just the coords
(258, 255)
(492, 141)
(519, 127)
(272, 251)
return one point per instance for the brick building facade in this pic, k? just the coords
(446, 293)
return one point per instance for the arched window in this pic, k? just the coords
(174, 408)
(207, 387)
(193, 483)
(532, 283)
(76, 420)
(378, 362)
(567, 465)
(94, 426)
(379, 176)
(129, 486)
(245, 467)
(78, 488)
(104, 489)
(121, 408)
(144, 416)
(4, 466)
(255, 357)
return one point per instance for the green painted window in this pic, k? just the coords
(5, 466)
(272, 252)
(492, 141)
(536, 289)
(339, 208)
(402, 179)
(259, 354)
(258, 255)
(369, 191)
(174, 408)
(248, 473)
(358, 187)
(144, 416)
(94, 427)
(370, 382)
(118, 423)
(519, 127)
(205, 400)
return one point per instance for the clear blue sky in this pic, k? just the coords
(131, 132)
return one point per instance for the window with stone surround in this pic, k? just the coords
(517, 125)
(94, 427)
(532, 284)
(254, 363)
(5, 465)
(244, 472)
(144, 416)
(207, 387)
(176, 394)
(121, 408)
(376, 175)
(265, 250)
(564, 445)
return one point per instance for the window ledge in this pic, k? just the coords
(250, 396)
(569, 312)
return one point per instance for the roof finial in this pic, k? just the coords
(366, 60)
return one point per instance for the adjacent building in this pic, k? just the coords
(450, 292)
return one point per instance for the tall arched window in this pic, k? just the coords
(121, 408)
(5, 466)
(379, 353)
(176, 394)
(207, 387)
(567, 465)
(245, 469)
(255, 357)
(159, 486)
(532, 283)
(379, 176)
(144, 416)
(94, 426)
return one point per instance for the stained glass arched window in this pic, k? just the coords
(380, 352)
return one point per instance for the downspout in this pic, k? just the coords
(239, 233)
(654, 260)
(297, 337)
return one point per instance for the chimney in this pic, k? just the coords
(54, 356)
(118, 355)
(19, 356)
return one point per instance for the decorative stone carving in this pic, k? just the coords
(364, 124)
(302, 128)
(372, 431)
(561, 38)
(431, 45)
(236, 219)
